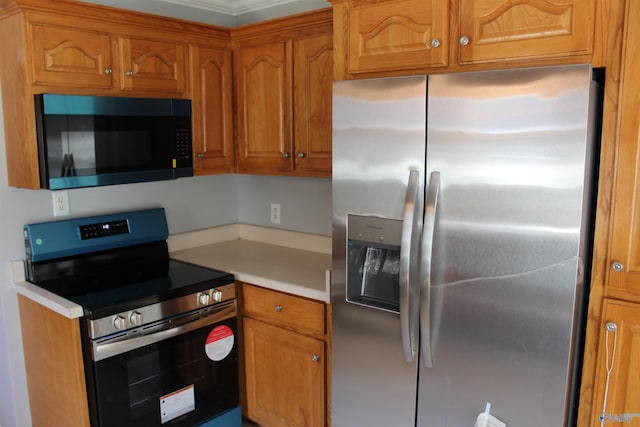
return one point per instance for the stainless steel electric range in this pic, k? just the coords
(159, 335)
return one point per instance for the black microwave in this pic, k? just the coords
(87, 141)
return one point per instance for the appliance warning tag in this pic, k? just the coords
(219, 343)
(176, 404)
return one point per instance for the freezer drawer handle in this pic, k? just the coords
(409, 244)
(430, 210)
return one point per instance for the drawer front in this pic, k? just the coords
(284, 310)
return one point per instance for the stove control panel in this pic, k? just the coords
(132, 319)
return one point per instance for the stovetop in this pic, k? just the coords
(112, 263)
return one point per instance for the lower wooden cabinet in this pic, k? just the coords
(285, 354)
(619, 360)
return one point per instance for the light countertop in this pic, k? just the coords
(297, 263)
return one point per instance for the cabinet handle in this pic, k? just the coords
(301, 155)
(435, 43)
(129, 73)
(315, 358)
(278, 308)
(108, 71)
(285, 155)
(200, 155)
(617, 266)
(464, 40)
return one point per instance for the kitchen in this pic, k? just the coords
(251, 195)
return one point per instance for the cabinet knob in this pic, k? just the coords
(435, 43)
(464, 40)
(108, 71)
(301, 155)
(315, 358)
(129, 73)
(200, 155)
(611, 327)
(285, 155)
(278, 308)
(617, 266)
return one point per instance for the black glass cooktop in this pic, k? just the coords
(112, 281)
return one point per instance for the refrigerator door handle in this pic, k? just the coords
(430, 210)
(409, 244)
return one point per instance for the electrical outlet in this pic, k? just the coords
(60, 203)
(275, 213)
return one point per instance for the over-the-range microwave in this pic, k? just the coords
(86, 141)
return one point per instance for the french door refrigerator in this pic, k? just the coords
(462, 226)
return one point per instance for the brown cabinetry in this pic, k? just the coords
(283, 96)
(619, 353)
(394, 35)
(65, 54)
(501, 30)
(212, 101)
(397, 34)
(284, 358)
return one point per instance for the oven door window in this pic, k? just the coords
(181, 381)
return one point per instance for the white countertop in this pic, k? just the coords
(286, 261)
(299, 272)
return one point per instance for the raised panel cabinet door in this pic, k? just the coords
(285, 374)
(619, 353)
(499, 30)
(71, 57)
(263, 87)
(398, 35)
(212, 92)
(313, 81)
(152, 65)
(623, 274)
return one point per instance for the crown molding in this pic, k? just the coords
(230, 7)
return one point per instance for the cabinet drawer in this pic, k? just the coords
(284, 310)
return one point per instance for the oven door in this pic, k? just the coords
(184, 375)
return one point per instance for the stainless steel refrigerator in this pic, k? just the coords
(462, 226)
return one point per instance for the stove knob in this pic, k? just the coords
(216, 295)
(119, 323)
(203, 298)
(135, 318)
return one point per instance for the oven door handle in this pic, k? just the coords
(108, 348)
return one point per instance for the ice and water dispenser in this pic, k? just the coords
(373, 261)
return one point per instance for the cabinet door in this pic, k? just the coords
(313, 80)
(620, 351)
(397, 35)
(211, 92)
(285, 374)
(152, 65)
(498, 30)
(624, 253)
(263, 85)
(71, 57)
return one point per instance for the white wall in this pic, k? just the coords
(190, 204)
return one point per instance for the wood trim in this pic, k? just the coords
(607, 53)
(54, 365)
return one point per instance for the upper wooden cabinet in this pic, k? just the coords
(157, 65)
(623, 269)
(68, 56)
(65, 54)
(500, 30)
(284, 75)
(402, 34)
(395, 35)
(212, 101)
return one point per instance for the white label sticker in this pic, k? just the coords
(219, 343)
(178, 403)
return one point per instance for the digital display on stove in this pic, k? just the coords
(104, 229)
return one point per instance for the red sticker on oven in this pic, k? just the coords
(219, 343)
